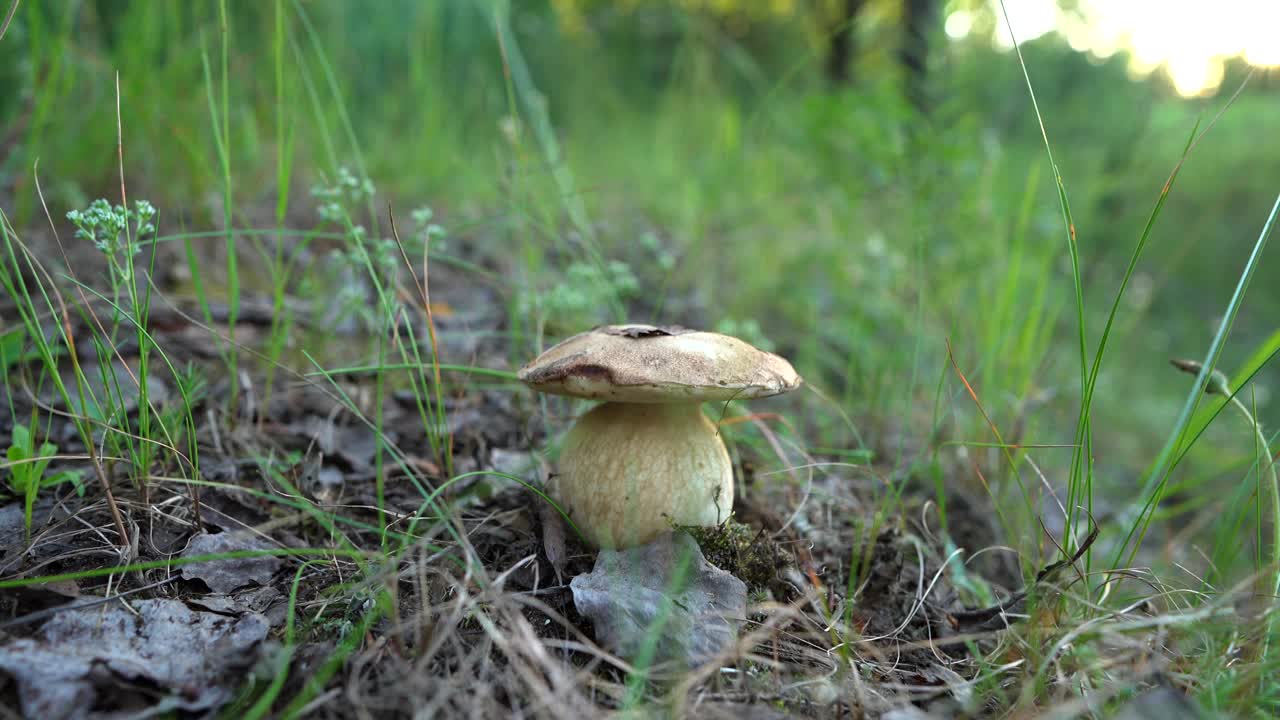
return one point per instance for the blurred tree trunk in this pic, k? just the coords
(840, 55)
(919, 20)
(919, 23)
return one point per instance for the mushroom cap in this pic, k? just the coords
(652, 364)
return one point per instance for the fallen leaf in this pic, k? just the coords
(266, 601)
(553, 542)
(223, 576)
(186, 660)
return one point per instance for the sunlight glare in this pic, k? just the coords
(959, 23)
(1261, 44)
(1029, 19)
(1189, 39)
(1193, 76)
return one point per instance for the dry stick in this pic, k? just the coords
(75, 367)
(50, 612)
(21, 122)
(424, 289)
(8, 18)
(90, 446)
(124, 198)
(66, 322)
(124, 202)
(75, 358)
(1004, 447)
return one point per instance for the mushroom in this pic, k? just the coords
(647, 458)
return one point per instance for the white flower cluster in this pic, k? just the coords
(104, 224)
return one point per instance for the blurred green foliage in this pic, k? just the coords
(688, 161)
(855, 234)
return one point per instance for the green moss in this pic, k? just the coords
(746, 552)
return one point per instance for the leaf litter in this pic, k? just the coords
(82, 663)
(496, 611)
(224, 576)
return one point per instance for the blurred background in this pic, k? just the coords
(854, 183)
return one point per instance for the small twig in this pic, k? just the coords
(50, 612)
(78, 373)
(124, 198)
(969, 620)
(424, 289)
(542, 591)
(8, 18)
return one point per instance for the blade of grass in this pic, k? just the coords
(17, 287)
(167, 563)
(1081, 478)
(264, 703)
(8, 19)
(222, 143)
(1154, 485)
(535, 108)
(445, 367)
(346, 646)
(281, 318)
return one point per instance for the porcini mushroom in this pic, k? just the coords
(647, 457)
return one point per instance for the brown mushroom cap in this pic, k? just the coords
(651, 364)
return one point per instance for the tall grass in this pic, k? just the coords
(220, 119)
(687, 185)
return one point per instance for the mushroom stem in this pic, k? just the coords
(629, 471)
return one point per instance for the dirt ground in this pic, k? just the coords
(851, 614)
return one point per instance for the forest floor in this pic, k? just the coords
(279, 577)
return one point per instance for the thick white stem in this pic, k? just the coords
(629, 471)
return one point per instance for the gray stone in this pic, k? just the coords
(663, 595)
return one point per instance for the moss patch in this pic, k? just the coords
(746, 552)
